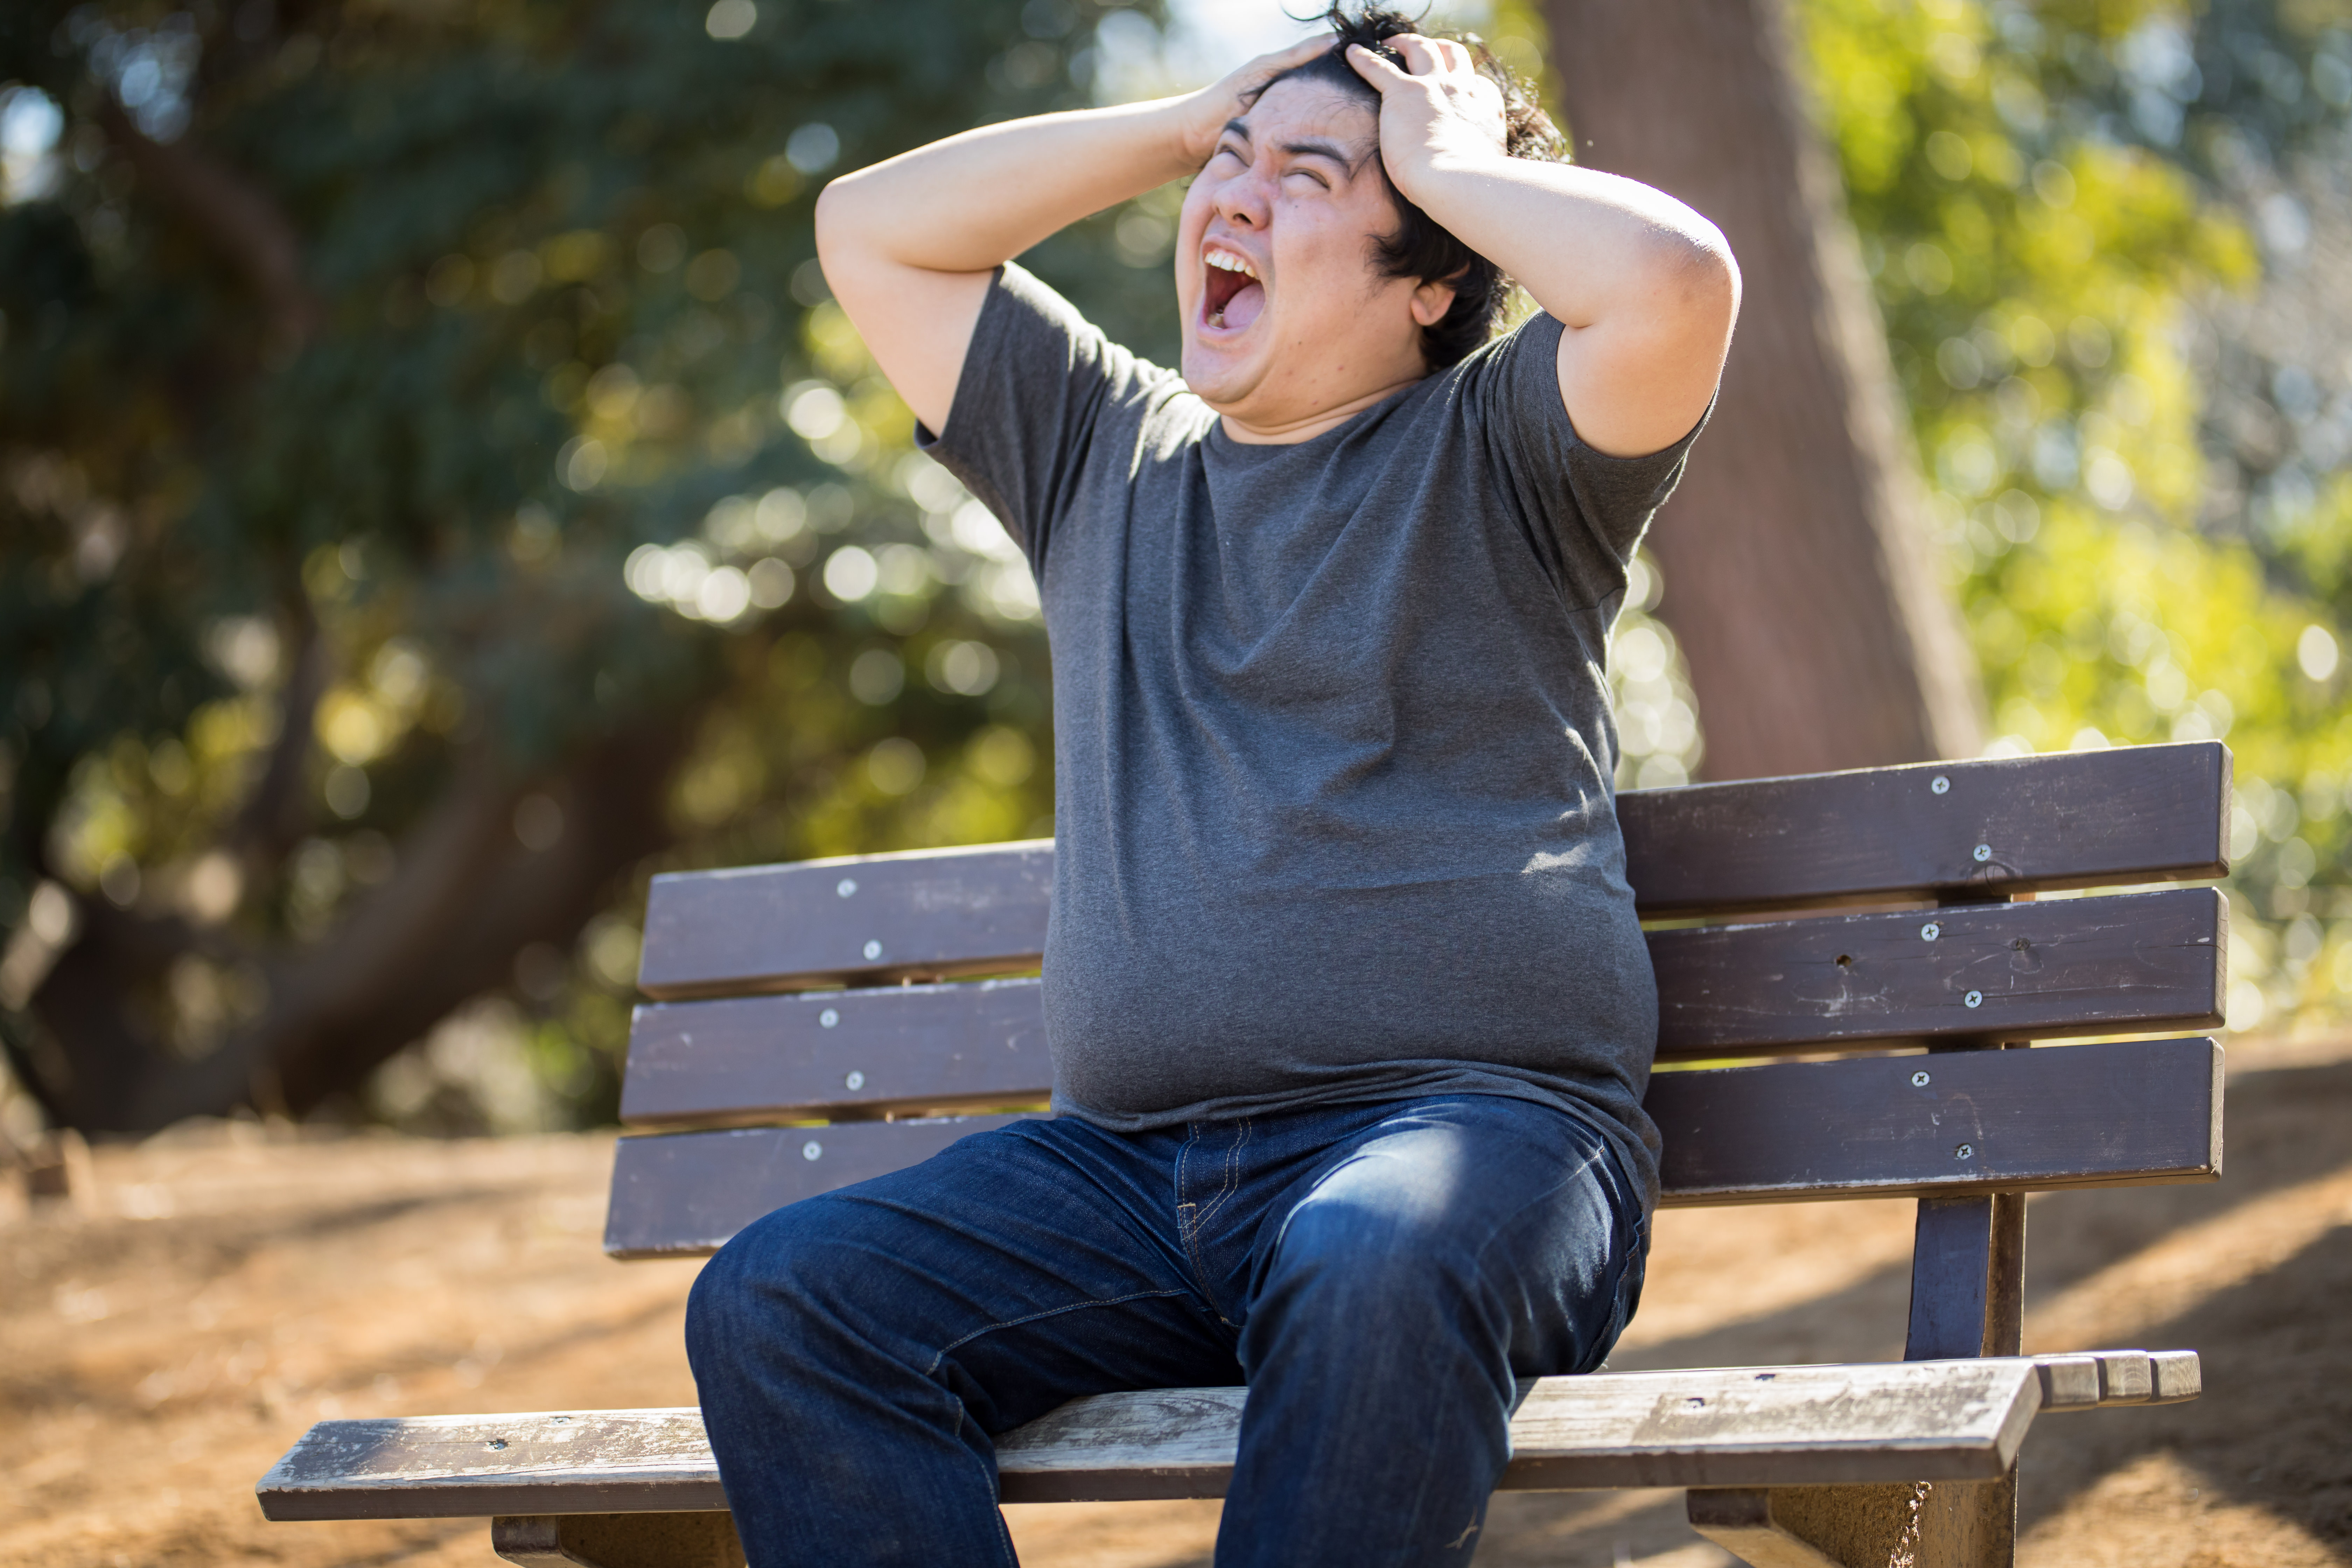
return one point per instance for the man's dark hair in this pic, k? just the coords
(1417, 248)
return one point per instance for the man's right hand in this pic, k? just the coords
(1204, 114)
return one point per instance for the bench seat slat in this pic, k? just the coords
(2062, 1116)
(1717, 1427)
(2141, 814)
(2075, 966)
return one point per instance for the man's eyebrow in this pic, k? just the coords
(1310, 147)
(1316, 147)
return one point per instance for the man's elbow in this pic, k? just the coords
(837, 218)
(1703, 281)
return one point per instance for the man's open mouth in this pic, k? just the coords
(1234, 295)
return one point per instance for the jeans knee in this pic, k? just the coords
(1350, 1271)
(762, 1287)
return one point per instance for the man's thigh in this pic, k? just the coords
(1505, 1222)
(1019, 1267)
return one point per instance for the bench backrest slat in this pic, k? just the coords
(2070, 966)
(2081, 819)
(2070, 1116)
(2075, 819)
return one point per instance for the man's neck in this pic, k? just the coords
(1306, 426)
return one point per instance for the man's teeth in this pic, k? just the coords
(1226, 261)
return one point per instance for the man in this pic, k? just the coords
(1349, 1011)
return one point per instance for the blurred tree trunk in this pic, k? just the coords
(467, 898)
(1800, 574)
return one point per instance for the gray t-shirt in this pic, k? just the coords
(1333, 805)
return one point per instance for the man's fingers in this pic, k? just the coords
(1421, 55)
(1377, 69)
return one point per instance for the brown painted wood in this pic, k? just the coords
(2072, 966)
(2066, 1116)
(684, 1194)
(2072, 820)
(2077, 819)
(2112, 1114)
(864, 919)
(838, 1054)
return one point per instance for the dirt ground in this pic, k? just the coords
(163, 1339)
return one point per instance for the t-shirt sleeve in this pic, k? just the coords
(1588, 510)
(1041, 386)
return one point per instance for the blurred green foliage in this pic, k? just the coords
(2059, 205)
(387, 388)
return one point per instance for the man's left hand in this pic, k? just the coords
(1438, 109)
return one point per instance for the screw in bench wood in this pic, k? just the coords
(1965, 1152)
(811, 1148)
(873, 951)
(855, 1081)
(846, 887)
(1983, 852)
(1940, 784)
(1930, 932)
(1974, 999)
(828, 1017)
(1919, 1080)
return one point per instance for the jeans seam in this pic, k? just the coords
(1202, 1212)
(956, 1344)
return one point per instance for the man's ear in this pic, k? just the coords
(1432, 300)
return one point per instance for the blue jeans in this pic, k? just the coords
(1377, 1275)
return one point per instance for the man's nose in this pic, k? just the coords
(1242, 201)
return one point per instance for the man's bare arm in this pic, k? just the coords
(1646, 287)
(907, 245)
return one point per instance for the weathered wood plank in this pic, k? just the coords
(2062, 1116)
(2025, 971)
(927, 914)
(838, 1054)
(439, 1466)
(2075, 966)
(683, 1196)
(2078, 820)
(1946, 1125)
(1713, 1427)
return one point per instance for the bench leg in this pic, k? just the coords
(1948, 1524)
(1968, 1270)
(618, 1541)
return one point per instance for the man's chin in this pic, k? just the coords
(1220, 380)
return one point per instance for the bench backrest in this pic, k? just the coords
(812, 1022)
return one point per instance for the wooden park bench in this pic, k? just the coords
(818, 1024)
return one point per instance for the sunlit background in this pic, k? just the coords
(440, 491)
